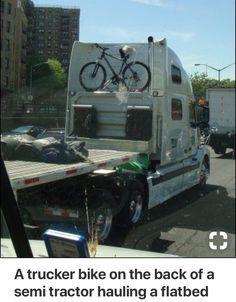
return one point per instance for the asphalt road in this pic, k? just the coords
(183, 225)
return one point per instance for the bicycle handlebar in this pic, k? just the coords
(98, 46)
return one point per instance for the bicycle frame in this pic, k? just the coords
(103, 56)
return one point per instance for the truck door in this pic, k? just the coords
(177, 145)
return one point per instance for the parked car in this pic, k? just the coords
(29, 129)
(57, 133)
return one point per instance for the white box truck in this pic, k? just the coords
(140, 124)
(222, 118)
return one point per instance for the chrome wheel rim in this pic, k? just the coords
(103, 222)
(135, 208)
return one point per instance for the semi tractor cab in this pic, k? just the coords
(137, 115)
(161, 123)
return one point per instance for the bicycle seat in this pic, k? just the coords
(126, 51)
(122, 54)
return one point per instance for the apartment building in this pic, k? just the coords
(13, 45)
(55, 30)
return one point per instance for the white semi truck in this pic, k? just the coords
(141, 130)
(222, 118)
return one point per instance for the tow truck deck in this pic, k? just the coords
(24, 174)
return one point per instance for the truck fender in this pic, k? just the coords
(203, 153)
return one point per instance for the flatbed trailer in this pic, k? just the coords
(60, 193)
(24, 174)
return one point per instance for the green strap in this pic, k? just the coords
(139, 165)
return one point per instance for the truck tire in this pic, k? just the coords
(220, 150)
(32, 231)
(103, 214)
(133, 196)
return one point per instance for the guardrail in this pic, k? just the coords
(32, 109)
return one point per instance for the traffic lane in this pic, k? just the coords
(223, 171)
(182, 225)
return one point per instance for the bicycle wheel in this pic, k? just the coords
(92, 76)
(136, 76)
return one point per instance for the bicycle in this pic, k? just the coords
(135, 76)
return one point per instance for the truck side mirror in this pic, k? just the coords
(204, 119)
(205, 115)
(201, 114)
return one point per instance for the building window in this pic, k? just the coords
(6, 63)
(2, 6)
(7, 44)
(19, 4)
(24, 28)
(176, 74)
(176, 109)
(9, 8)
(6, 81)
(8, 26)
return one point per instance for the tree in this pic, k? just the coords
(46, 80)
(201, 83)
(57, 76)
(48, 74)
